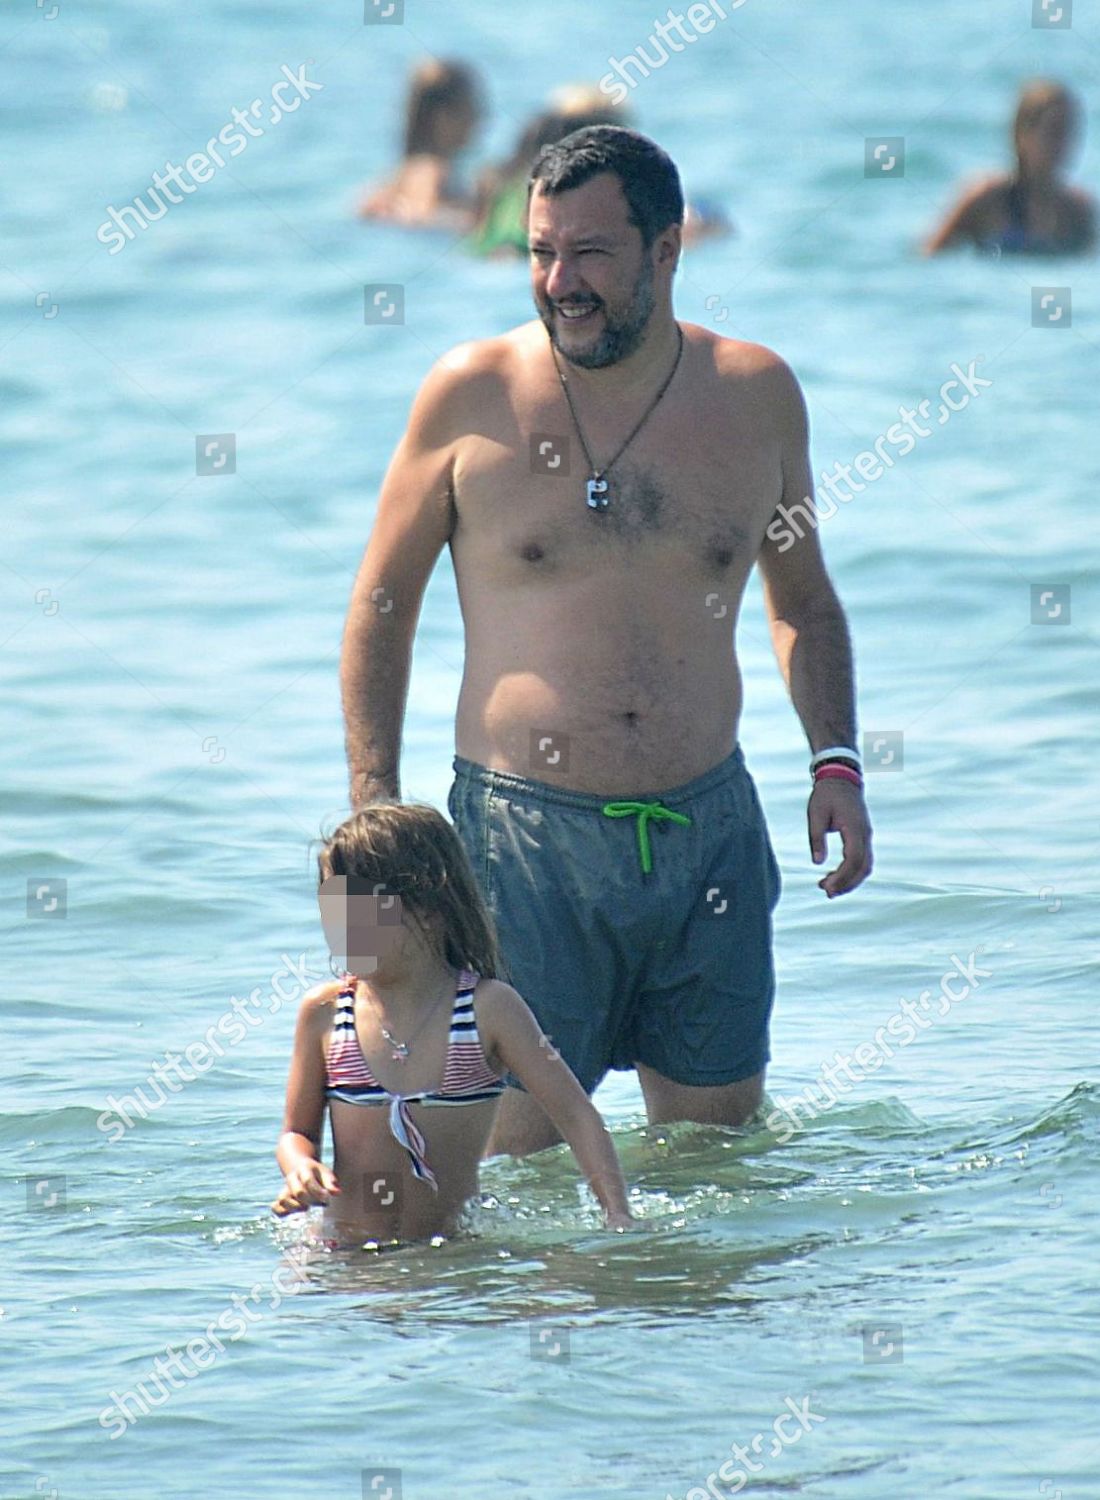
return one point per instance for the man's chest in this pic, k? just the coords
(680, 488)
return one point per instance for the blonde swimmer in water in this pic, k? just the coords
(408, 1046)
(1031, 210)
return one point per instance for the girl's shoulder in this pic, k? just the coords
(321, 999)
(324, 989)
(494, 998)
(483, 985)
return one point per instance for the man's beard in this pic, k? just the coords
(620, 336)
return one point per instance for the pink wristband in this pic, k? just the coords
(831, 769)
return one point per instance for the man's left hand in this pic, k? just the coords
(837, 806)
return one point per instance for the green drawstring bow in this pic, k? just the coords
(644, 811)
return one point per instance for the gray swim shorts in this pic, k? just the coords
(637, 928)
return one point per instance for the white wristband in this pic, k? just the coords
(849, 754)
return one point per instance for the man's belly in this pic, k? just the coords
(591, 718)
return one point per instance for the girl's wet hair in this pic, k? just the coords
(437, 85)
(408, 849)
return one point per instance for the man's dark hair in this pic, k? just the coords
(648, 175)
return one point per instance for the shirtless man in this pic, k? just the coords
(599, 786)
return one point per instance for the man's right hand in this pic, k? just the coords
(838, 807)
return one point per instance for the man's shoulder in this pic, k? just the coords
(739, 359)
(490, 357)
(753, 372)
(472, 372)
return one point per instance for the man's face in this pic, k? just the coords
(592, 278)
(362, 929)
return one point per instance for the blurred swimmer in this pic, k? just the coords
(501, 224)
(444, 109)
(1029, 211)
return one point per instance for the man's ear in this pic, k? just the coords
(668, 246)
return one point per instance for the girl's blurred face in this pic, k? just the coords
(362, 928)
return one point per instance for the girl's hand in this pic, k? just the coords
(306, 1185)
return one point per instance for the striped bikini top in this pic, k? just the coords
(467, 1076)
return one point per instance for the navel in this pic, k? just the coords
(719, 554)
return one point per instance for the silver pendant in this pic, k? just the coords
(596, 493)
(400, 1050)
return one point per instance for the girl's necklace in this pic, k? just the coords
(400, 1051)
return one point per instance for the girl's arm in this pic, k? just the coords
(513, 1040)
(308, 1180)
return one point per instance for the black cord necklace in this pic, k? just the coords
(597, 489)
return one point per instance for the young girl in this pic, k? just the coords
(407, 1047)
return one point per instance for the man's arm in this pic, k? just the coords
(808, 627)
(810, 638)
(411, 528)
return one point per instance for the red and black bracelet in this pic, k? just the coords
(837, 763)
(830, 770)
